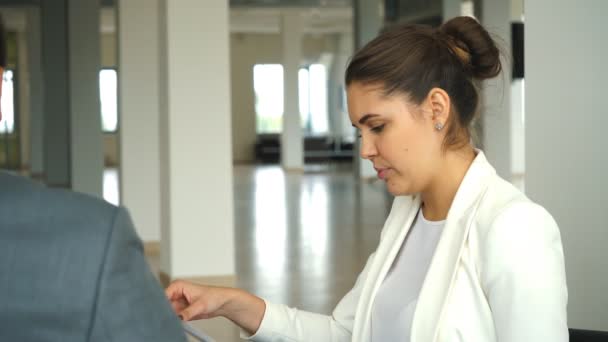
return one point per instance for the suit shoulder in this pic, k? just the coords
(27, 200)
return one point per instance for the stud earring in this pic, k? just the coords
(439, 126)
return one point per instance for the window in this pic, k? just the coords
(312, 92)
(7, 125)
(108, 95)
(268, 88)
(313, 99)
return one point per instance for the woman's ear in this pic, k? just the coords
(439, 102)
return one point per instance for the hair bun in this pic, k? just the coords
(469, 35)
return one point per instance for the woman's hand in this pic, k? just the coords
(192, 301)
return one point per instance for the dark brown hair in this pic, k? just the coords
(412, 59)
(3, 51)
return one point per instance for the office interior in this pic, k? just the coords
(222, 126)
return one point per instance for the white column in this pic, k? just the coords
(36, 93)
(335, 81)
(56, 93)
(292, 144)
(344, 50)
(23, 65)
(496, 93)
(71, 62)
(566, 159)
(138, 79)
(196, 154)
(85, 122)
(368, 22)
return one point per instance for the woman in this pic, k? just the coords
(463, 256)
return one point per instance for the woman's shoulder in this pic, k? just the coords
(515, 237)
(507, 210)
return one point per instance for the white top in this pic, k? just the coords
(395, 303)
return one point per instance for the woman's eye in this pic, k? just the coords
(377, 129)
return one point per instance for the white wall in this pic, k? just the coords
(566, 158)
(246, 50)
(517, 10)
(108, 50)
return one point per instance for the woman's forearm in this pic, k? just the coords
(244, 309)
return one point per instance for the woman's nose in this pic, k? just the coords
(367, 148)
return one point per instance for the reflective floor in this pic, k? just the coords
(301, 238)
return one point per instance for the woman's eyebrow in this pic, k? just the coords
(365, 118)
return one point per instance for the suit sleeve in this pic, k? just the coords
(524, 276)
(130, 304)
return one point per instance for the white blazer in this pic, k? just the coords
(497, 274)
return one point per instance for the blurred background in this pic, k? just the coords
(222, 126)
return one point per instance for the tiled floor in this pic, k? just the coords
(301, 238)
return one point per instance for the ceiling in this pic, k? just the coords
(290, 3)
(244, 19)
(233, 3)
(268, 20)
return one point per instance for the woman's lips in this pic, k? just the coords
(382, 173)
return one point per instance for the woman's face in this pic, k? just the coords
(398, 137)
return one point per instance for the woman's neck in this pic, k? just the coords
(438, 198)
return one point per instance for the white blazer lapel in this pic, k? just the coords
(395, 229)
(440, 276)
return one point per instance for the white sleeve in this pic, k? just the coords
(282, 323)
(523, 276)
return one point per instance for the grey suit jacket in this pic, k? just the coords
(72, 268)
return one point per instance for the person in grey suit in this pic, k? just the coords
(72, 268)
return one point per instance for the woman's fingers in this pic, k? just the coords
(179, 305)
(192, 301)
(194, 311)
(177, 295)
(175, 290)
